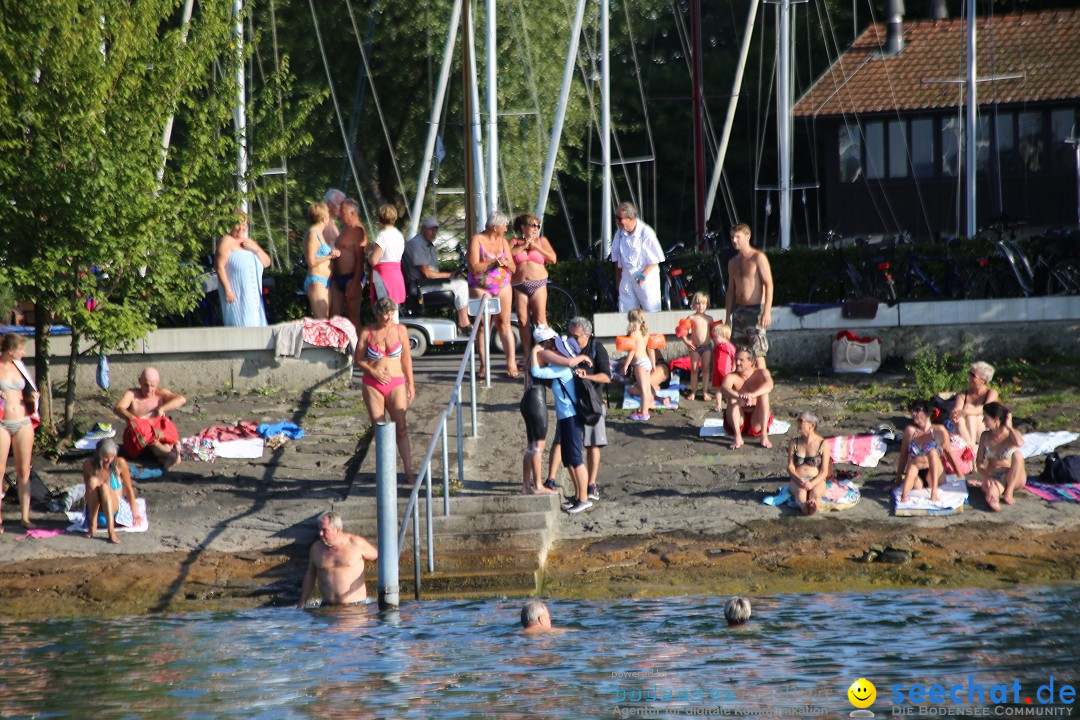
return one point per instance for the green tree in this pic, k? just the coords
(95, 238)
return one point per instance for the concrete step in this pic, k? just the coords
(494, 541)
(357, 508)
(452, 584)
(475, 561)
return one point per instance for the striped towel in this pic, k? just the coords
(1054, 493)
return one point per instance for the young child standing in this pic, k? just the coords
(700, 345)
(723, 358)
(638, 358)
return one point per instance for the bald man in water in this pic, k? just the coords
(336, 562)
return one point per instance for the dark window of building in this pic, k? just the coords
(1063, 126)
(850, 151)
(1006, 143)
(875, 150)
(922, 147)
(982, 144)
(1031, 141)
(898, 149)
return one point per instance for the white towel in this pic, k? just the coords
(632, 402)
(239, 449)
(1037, 443)
(714, 427)
(952, 495)
(78, 520)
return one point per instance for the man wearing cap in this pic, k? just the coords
(580, 340)
(422, 264)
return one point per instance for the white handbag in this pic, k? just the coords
(852, 354)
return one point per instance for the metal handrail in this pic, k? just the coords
(411, 508)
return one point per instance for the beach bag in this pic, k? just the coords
(852, 354)
(1061, 470)
(589, 405)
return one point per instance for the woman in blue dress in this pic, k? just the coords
(239, 262)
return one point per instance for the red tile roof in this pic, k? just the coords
(1042, 47)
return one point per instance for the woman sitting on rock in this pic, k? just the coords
(921, 451)
(1000, 463)
(110, 496)
(967, 413)
(808, 463)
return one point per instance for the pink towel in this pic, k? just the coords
(40, 534)
(337, 332)
(861, 450)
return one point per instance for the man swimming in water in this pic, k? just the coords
(337, 562)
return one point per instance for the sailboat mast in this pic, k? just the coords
(468, 84)
(699, 142)
(605, 126)
(971, 136)
(492, 113)
(240, 110)
(783, 121)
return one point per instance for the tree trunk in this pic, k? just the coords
(42, 326)
(69, 397)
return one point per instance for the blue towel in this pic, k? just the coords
(779, 498)
(286, 428)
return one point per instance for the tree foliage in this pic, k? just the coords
(86, 87)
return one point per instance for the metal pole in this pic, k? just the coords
(460, 447)
(487, 340)
(416, 552)
(477, 139)
(166, 134)
(699, 140)
(493, 112)
(733, 103)
(436, 117)
(240, 111)
(783, 121)
(472, 390)
(427, 514)
(471, 211)
(605, 128)
(972, 131)
(560, 110)
(446, 467)
(386, 489)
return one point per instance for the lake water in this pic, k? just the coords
(466, 659)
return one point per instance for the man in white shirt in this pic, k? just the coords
(423, 268)
(637, 255)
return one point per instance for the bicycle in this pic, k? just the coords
(598, 293)
(970, 281)
(673, 294)
(871, 278)
(1050, 272)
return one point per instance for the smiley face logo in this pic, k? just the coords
(862, 693)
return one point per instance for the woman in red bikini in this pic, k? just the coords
(382, 354)
(531, 251)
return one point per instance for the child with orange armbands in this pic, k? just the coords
(698, 341)
(638, 358)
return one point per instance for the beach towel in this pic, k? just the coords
(40, 533)
(141, 472)
(953, 495)
(141, 432)
(632, 402)
(242, 430)
(839, 495)
(862, 450)
(286, 428)
(248, 448)
(1054, 493)
(714, 427)
(77, 518)
(337, 332)
(1037, 443)
(193, 448)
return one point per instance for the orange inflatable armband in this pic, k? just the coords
(624, 343)
(656, 342)
(684, 327)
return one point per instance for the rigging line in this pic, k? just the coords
(281, 125)
(361, 90)
(337, 114)
(378, 107)
(261, 201)
(637, 74)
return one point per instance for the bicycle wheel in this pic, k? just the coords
(561, 308)
(980, 283)
(827, 288)
(1064, 278)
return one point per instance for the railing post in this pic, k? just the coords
(386, 488)
(427, 513)
(472, 387)
(445, 468)
(460, 447)
(416, 551)
(487, 340)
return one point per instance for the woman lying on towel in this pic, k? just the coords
(110, 496)
(808, 463)
(1000, 463)
(921, 453)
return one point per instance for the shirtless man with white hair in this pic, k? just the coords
(746, 392)
(333, 199)
(336, 562)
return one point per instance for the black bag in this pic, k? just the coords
(589, 405)
(1061, 470)
(941, 408)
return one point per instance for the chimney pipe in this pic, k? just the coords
(894, 33)
(938, 10)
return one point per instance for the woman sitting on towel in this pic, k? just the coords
(808, 463)
(110, 496)
(1000, 463)
(921, 451)
(967, 414)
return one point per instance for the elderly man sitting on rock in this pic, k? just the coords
(148, 429)
(746, 393)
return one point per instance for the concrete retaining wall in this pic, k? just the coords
(993, 328)
(204, 360)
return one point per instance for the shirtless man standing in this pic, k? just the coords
(749, 295)
(144, 410)
(746, 392)
(346, 282)
(337, 562)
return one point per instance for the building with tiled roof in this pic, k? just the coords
(894, 124)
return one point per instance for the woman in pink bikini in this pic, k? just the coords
(490, 270)
(531, 251)
(383, 355)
